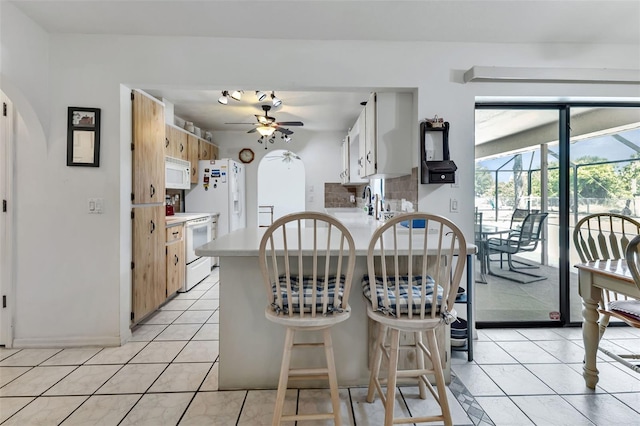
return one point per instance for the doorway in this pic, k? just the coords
(281, 186)
(566, 160)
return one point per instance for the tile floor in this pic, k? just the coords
(167, 375)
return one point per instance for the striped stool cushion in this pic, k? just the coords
(407, 292)
(334, 296)
(630, 308)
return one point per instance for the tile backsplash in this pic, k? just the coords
(395, 190)
(403, 187)
(339, 195)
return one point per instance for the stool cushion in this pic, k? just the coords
(630, 308)
(408, 292)
(334, 296)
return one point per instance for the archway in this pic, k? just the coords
(281, 185)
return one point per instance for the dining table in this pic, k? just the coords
(593, 278)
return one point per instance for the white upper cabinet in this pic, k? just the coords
(386, 151)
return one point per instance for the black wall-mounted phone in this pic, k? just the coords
(436, 171)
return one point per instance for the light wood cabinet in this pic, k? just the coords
(193, 144)
(176, 142)
(206, 151)
(389, 120)
(175, 259)
(147, 149)
(148, 263)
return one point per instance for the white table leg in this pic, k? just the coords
(591, 297)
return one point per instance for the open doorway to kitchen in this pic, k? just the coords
(6, 185)
(281, 186)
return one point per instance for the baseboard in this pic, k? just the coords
(66, 342)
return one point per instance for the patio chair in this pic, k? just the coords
(605, 236)
(525, 239)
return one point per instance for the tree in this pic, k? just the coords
(485, 184)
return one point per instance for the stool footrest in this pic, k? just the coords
(294, 372)
(318, 416)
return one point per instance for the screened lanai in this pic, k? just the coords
(563, 162)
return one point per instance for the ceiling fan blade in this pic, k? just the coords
(284, 131)
(248, 124)
(290, 123)
(252, 131)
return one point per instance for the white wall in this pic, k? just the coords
(72, 273)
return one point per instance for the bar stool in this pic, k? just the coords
(307, 261)
(414, 264)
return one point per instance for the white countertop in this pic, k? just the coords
(246, 241)
(183, 217)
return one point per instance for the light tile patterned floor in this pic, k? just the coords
(167, 375)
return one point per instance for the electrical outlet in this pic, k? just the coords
(453, 205)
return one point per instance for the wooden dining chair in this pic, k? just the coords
(307, 261)
(415, 262)
(604, 236)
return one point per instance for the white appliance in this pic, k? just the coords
(220, 188)
(197, 233)
(177, 173)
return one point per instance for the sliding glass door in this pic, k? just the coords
(564, 161)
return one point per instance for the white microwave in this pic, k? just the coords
(177, 173)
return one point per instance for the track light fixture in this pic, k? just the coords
(237, 94)
(261, 96)
(275, 101)
(224, 99)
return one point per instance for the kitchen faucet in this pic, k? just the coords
(369, 199)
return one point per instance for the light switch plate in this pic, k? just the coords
(95, 205)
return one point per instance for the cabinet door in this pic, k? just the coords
(192, 157)
(176, 266)
(148, 149)
(344, 175)
(362, 143)
(370, 159)
(205, 151)
(149, 271)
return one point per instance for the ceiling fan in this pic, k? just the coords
(266, 124)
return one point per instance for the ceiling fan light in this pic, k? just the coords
(265, 130)
(275, 101)
(224, 99)
(261, 96)
(236, 95)
(286, 138)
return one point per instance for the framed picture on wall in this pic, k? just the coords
(83, 137)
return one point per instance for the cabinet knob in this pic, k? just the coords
(152, 190)
(369, 157)
(175, 262)
(166, 142)
(181, 148)
(152, 226)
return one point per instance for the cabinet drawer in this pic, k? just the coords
(174, 233)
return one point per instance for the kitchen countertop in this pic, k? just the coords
(246, 241)
(180, 218)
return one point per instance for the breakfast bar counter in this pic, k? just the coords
(251, 346)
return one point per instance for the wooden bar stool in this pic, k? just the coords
(307, 261)
(412, 282)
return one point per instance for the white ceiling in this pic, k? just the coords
(513, 21)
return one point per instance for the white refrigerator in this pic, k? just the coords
(220, 188)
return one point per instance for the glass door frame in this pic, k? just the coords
(564, 193)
